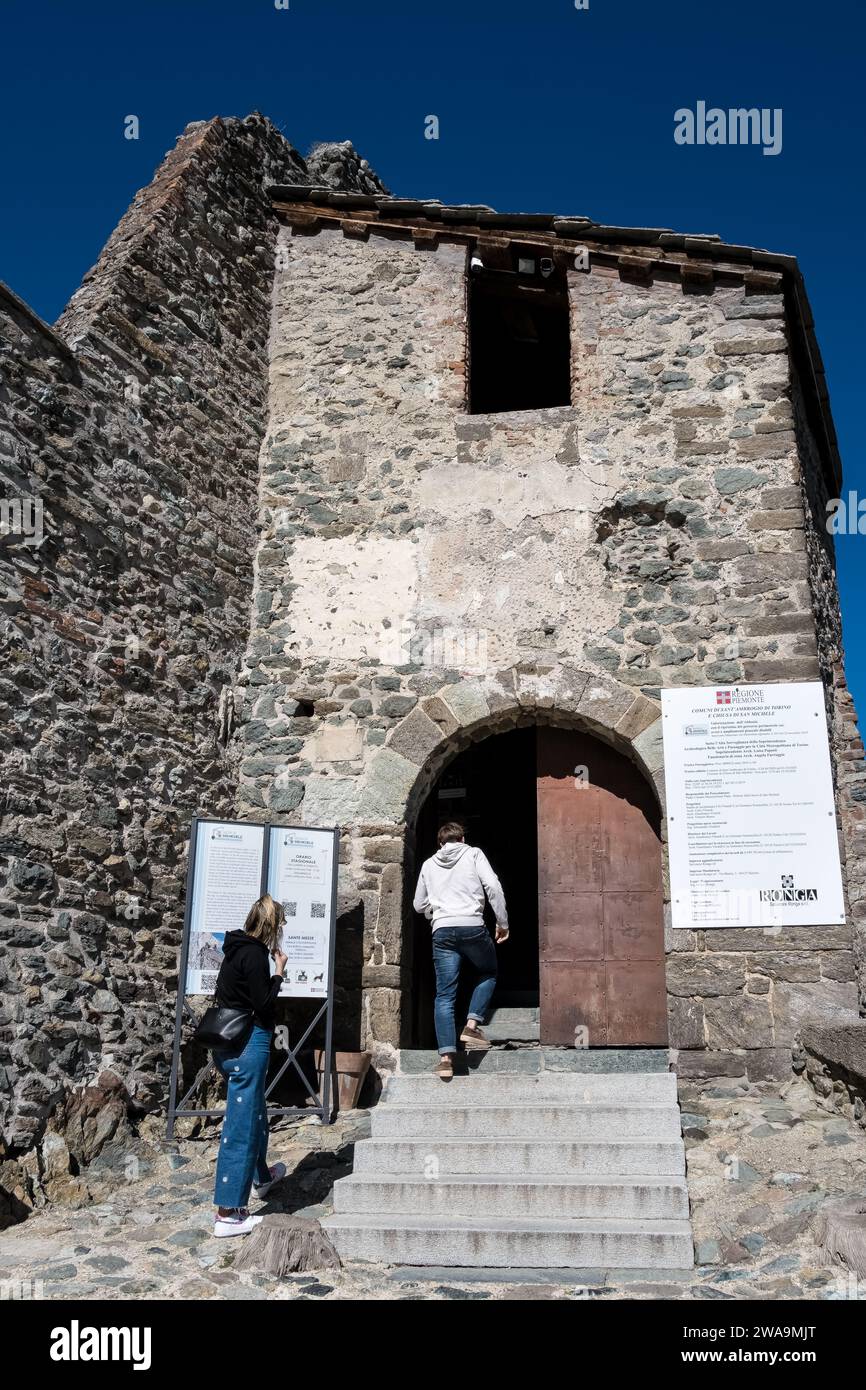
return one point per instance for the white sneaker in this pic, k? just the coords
(278, 1172)
(239, 1223)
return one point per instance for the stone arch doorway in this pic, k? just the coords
(573, 829)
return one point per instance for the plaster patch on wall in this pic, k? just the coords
(512, 495)
(350, 595)
(489, 580)
(336, 743)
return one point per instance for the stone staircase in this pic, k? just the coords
(534, 1159)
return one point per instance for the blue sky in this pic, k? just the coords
(541, 107)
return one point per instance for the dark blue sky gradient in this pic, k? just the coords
(542, 107)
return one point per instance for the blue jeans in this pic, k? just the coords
(244, 1138)
(451, 945)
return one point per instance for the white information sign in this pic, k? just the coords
(751, 814)
(300, 876)
(227, 880)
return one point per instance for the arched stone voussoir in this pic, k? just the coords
(648, 752)
(626, 719)
(444, 723)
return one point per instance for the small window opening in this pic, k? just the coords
(519, 346)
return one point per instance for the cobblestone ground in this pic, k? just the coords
(760, 1165)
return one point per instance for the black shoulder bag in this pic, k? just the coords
(224, 1029)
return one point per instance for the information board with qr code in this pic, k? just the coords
(232, 863)
(227, 859)
(301, 877)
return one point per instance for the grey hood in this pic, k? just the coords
(450, 854)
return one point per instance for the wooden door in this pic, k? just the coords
(601, 928)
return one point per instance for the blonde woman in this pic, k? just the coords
(245, 982)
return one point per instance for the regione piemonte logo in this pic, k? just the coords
(788, 893)
(740, 695)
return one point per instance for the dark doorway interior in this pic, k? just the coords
(491, 790)
(519, 342)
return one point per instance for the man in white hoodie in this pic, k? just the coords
(451, 890)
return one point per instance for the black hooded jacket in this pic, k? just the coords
(245, 980)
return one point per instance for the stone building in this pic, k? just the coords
(369, 511)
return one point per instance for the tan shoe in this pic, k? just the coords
(474, 1040)
(444, 1069)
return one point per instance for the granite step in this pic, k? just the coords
(426, 1157)
(536, 1158)
(505, 1242)
(550, 1195)
(529, 1060)
(593, 1123)
(502, 1088)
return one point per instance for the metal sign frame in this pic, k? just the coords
(324, 1107)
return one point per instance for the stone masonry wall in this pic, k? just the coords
(417, 577)
(833, 1060)
(426, 576)
(137, 424)
(846, 744)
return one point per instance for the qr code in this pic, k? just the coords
(208, 980)
(317, 909)
(291, 909)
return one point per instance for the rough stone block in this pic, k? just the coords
(747, 347)
(604, 701)
(388, 851)
(780, 520)
(382, 1016)
(794, 1005)
(466, 702)
(332, 800)
(779, 624)
(774, 497)
(386, 788)
(686, 1023)
(843, 1045)
(389, 914)
(705, 976)
(797, 967)
(769, 1064)
(703, 1065)
(416, 737)
(739, 1020)
(792, 668)
(722, 550)
(436, 709)
(838, 965)
(834, 938)
(649, 747)
(639, 716)
(772, 566)
(383, 977)
(733, 479)
(767, 446)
